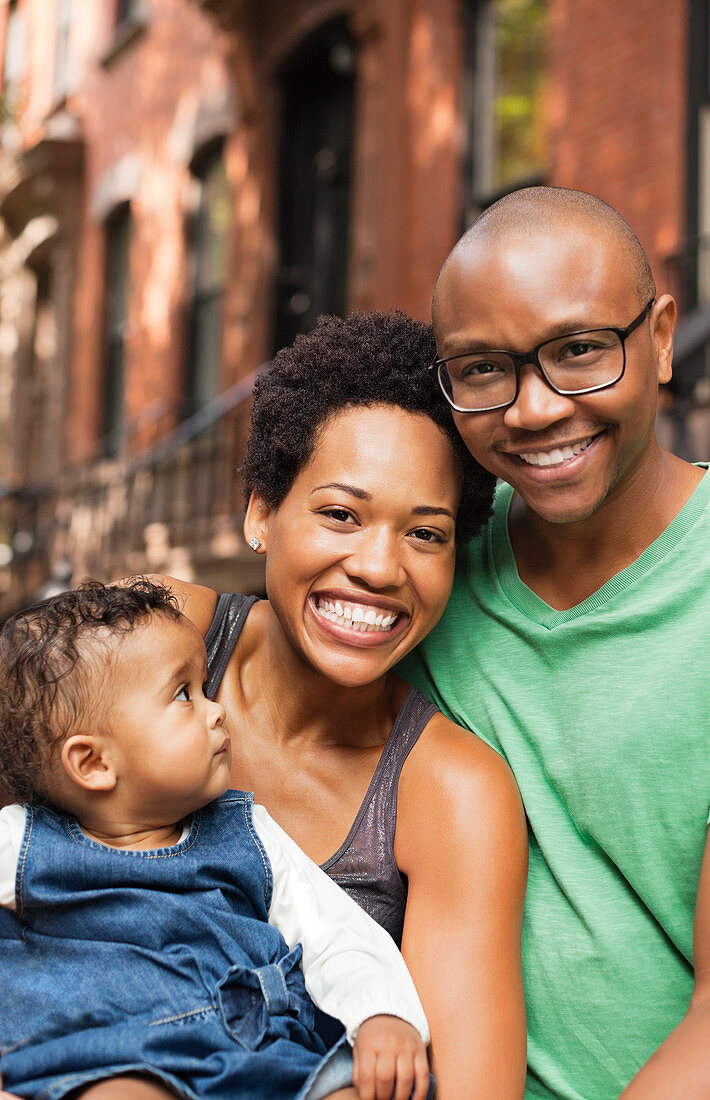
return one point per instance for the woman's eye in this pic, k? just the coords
(183, 695)
(425, 534)
(340, 515)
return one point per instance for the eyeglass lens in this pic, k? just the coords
(484, 380)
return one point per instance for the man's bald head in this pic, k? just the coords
(547, 210)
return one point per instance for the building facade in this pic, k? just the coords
(187, 184)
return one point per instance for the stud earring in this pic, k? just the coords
(255, 543)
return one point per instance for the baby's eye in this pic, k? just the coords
(183, 695)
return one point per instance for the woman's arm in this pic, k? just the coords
(681, 1065)
(351, 966)
(197, 603)
(462, 841)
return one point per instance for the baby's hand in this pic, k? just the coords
(389, 1059)
(7, 1095)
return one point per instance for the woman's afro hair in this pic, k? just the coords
(367, 359)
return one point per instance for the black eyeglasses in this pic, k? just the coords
(576, 363)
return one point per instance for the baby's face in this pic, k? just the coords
(171, 749)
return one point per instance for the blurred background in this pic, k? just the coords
(185, 185)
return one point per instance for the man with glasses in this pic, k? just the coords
(576, 635)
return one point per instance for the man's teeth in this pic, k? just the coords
(557, 455)
(356, 616)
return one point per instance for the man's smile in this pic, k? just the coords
(557, 455)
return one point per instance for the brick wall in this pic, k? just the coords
(137, 111)
(618, 111)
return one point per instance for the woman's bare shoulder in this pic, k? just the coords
(456, 778)
(196, 601)
(455, 755)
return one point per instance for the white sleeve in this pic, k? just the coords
(12, 830)
(352, 967)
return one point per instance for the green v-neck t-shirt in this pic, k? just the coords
(602, 712)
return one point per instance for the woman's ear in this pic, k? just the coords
(256, 523)
(87, 762)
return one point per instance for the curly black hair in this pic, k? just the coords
(367, 359)
(48, 663)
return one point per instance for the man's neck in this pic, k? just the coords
(565, 563)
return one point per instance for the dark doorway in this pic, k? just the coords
(316, 154)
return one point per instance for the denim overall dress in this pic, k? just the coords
(160, 962)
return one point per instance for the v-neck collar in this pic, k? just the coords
(534, 607)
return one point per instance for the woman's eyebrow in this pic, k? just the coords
(359, 493)
(432, 510)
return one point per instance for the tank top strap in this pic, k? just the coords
(365, 864)
(228, 620)
(415, 712)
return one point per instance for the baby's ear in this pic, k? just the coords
(87, 763)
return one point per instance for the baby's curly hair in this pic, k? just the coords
(367, 359)
(49, 657)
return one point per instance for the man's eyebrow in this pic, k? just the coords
(352, 489)
(562, 328)
(565, 328)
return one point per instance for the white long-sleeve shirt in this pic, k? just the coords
(351, 966)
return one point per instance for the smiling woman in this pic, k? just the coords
(360, 491)
(366, 533)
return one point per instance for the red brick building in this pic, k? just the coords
(186, 184)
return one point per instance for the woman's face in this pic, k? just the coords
(360, 554)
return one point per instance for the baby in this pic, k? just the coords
(152, 921)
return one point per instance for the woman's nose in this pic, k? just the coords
(376, 560)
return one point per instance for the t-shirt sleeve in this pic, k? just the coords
(352, 967)
(12, 830)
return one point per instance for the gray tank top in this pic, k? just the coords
(364, 865)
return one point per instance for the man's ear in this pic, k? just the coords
(663, 318)
(87, 762)
(256, 523)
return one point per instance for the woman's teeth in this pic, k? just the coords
(356, 616)
(556, 455)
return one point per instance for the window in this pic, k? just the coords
(118, 246)
(506, 86)
(61, 55)
(209, 247)
(42, 425)
(128, 11)
(130, 19)
(14, 61)
(317, 86)
(694, 267)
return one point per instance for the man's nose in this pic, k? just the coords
(377, 560)
(537, 404)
